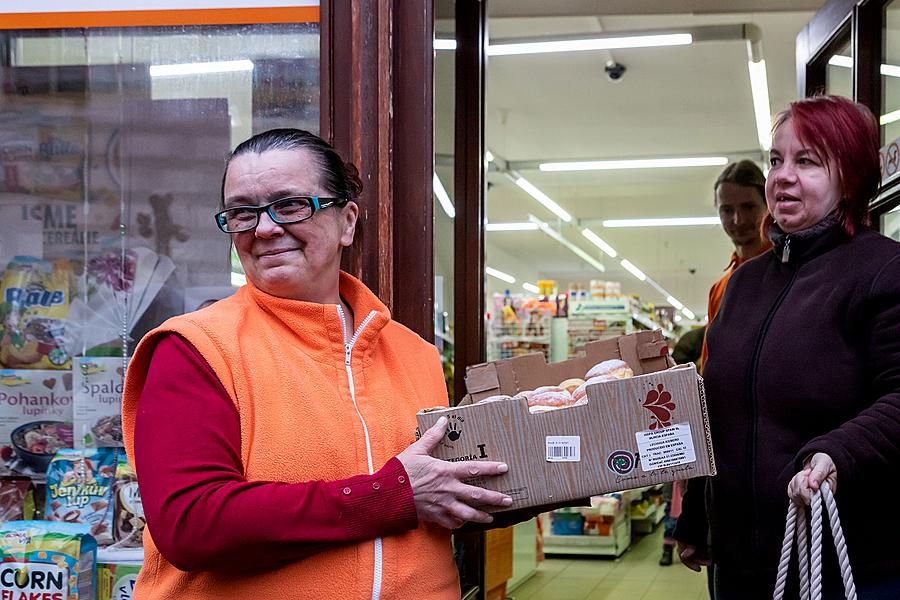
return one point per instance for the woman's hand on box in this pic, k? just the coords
(818, 469)
(438, 490)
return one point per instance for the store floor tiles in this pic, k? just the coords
(636, 575)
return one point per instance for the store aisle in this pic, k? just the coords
(635, 576)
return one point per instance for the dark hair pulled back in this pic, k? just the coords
(340, 179)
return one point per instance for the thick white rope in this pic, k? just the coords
(810, 554)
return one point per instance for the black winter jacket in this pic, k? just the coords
(804, 357)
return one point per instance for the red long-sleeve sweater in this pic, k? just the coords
(204, 515)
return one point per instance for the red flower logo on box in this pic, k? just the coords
(659, 403)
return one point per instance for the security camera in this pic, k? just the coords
(614, 71)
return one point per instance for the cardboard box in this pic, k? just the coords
(652, 428)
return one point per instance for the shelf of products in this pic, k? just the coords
(602, 529)
(592, 319)
(647, 509)
(519, 324)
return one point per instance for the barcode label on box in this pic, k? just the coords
(666, 447)
(563, 448)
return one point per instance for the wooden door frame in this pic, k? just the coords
(376, 109)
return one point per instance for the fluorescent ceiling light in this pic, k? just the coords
(672, 222)
(442, 196)
(688, 313)
(489, 156)
(642, 163)
(226, 66)
(511, 226)
(629, 266)
(759, 86)
(530, 287)
(238, 279)
(595, 239)
(544, 199)
(580, 45)
(839, 60)
(444, 44)
(674, 302)
(890, 117)
(500, 275)
(572, 247)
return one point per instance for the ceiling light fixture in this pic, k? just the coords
(640, 163)
(595, 239)
(668, 222)
(530, 287)
(572, 247)
(224, 66)
(489, 156)
(838, 60)
(629, 266)
(510, 226)
(442, 196)
(688, 313)
(541, 197)
(759, 86)
(510, 48)
(674, 302)
(500, 275)
(890, 117)
(444, 44)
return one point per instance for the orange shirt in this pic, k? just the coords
(717, 291)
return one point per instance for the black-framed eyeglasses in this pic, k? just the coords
(283, 211)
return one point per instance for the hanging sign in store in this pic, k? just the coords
(889, 156)
(57, 14)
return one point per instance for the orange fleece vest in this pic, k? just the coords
(283, 363)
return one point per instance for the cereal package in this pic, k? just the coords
(98, 401)
(115, 581)
(35, 418)
(129, 519)
(34, 306)
(16, 499)
(80, 490)
(46, 561)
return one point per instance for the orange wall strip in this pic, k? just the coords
(152, 18)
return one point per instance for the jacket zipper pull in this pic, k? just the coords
(347, 354)
(786, 253)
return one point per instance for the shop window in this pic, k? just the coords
(839, 71)
(112, 145)
(890, 71)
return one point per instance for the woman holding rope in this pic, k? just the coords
(803, 376)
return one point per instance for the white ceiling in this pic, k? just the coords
(677, 101)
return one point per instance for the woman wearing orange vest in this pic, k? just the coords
(272, 431)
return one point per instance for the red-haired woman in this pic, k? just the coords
(803, 377)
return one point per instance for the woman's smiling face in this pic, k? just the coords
(299, 261)
(802, 187)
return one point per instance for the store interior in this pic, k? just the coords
(625, 239)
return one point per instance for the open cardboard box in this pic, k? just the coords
(652, 428)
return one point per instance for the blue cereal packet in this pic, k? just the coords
(49, 561)
(80, 489)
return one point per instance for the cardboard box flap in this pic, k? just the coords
(482, 378)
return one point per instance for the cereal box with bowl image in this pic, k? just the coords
(35, 418)
(46, 561)
(80, 489)
(618, 416)
(98, 401)
(34, 308)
